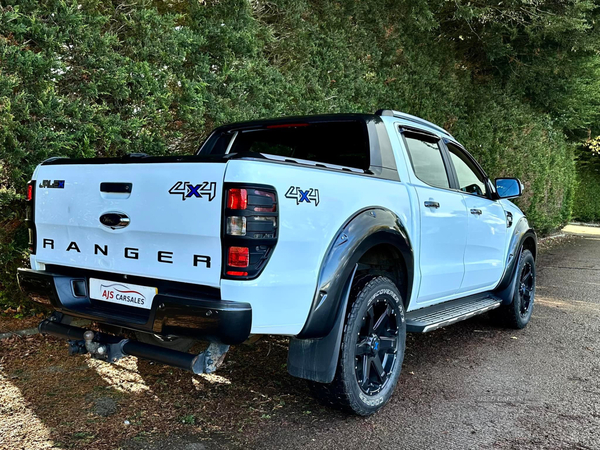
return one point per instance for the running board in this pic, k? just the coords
(447, 313)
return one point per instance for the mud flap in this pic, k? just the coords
(316, 359)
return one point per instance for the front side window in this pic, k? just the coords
(426, 158)
(470, 178)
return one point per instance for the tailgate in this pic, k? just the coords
(160, 220)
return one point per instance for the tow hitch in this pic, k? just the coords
(112, 348)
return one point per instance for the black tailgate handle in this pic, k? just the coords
(116, 188)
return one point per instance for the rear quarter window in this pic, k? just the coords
(337, 143)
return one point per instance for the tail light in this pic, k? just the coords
(29, 215)
(238, 257)
(249, 229)
(237, 198)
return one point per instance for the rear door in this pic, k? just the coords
(159, 220)
(484, 252)
(443, 217)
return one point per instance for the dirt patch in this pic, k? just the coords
(52, 400)
(104, 406)
(8, 324)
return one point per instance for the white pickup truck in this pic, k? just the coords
(343, 232)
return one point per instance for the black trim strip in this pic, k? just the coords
(138, 160)
(30, 218)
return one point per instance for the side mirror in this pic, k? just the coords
(508, 187)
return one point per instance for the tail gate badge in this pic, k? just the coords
(114, 220)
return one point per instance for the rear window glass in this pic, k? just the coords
(337, 143)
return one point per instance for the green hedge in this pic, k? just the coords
(103, 78)
(586, 206)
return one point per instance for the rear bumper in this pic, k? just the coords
(174, 311)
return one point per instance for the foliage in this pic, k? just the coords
(586, 206)
(514, 81)
(544, 50)
(593, 145)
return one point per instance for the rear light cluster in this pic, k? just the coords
(29, 215)
(250, 229)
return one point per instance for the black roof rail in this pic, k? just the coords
(411, 118)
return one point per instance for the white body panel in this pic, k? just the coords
(160, 222)
(485, 251)
(453, 255)
(442, 243)
(282, 295)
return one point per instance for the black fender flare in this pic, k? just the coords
(314, 352)
(366, 229)
(523, 236)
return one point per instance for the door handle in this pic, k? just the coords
(429, 204)
(476, 211)
(116, 188)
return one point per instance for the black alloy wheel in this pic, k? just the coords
(377, 346)
(526, 285)
(372, 349)
(518, 313)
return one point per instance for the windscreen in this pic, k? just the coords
(338, 143)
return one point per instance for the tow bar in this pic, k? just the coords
(112, 348)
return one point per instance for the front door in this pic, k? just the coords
(484, 253)
(443, 217)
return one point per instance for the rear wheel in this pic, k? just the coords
(518, 313)
(372, 350)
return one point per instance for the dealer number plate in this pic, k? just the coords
(122, 293)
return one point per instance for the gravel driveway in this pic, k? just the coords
(471, 385)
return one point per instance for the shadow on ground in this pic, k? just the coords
(471, 385)
(79, 402)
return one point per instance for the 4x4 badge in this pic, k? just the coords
(190, 190)
(49, 184)
(300, 196)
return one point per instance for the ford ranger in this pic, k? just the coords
(343, 232)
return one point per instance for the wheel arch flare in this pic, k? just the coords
(314, 351)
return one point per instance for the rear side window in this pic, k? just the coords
(337, 143)
(426, 159)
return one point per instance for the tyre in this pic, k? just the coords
(181, 344)
(518, 313)
(372, 350)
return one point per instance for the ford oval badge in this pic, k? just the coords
(114, 220)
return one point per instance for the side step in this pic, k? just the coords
(447, 313)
